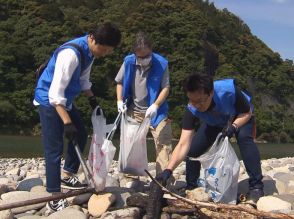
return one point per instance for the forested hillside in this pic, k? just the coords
(186, 32)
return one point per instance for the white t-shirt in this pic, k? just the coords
(66, 63)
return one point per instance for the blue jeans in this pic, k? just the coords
(52, 138)
(204, 138)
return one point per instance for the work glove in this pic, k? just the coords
(93, 102)
(230, 131)
(121, 107)
(70, 132)
(164, 176)
(151, 111)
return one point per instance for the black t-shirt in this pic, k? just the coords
(242, 105)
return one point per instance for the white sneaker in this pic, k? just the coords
(57, 205)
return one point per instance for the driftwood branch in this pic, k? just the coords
(175, 210)
(217, 206)
(46, 199)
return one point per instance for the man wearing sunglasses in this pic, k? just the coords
(143, 80)
(216, 104)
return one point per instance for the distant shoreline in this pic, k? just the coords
(233, 140)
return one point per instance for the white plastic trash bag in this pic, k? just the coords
(133, 149)
(101, 152)
(221, 171)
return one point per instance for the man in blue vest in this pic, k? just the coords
(143, 80)
(216, 104)
(65, 77)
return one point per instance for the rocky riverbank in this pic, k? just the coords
(24, 179)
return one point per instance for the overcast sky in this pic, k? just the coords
(272, 21)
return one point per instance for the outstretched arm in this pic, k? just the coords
(181, 150)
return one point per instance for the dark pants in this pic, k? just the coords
(52, 138)
(204, 138)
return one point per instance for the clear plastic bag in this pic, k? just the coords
(221, 171)
(133, 149)
(101, 152)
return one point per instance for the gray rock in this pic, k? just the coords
(165, 216)
(121, 199)
(270, 186)
(284, 177)
(111, 182)
(31, 217)
(286, 197)
(14, 171)
(127, 213)
(81, 199)
(121, 195)
(3, 189)
(23, 173)
(17, 196)
(31, 175)
(267, 168)
(138, 200)
(4, 180)
(6, 214)
(86, 212)
(24, 215)
(28, 184)
(198, 194)
(15, 178)
(282, 186)
(68, 213)
(38, 189)
(266, 204)
(42, 211)
(276, 165)
(179, 184)
(178, 216)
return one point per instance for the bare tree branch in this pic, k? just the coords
(217, 206)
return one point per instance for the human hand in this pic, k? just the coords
(70, 131)
(121, 107)
(230, 130)
(151, 111)
(164, 176)
(93, 102)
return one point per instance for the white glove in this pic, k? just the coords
(151, 111)
(121, 107)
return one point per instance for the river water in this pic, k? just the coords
(28, 146)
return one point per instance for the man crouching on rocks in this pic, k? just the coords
(215, 103)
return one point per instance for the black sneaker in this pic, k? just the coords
(254, 195)
(57, 205)
(72, 182)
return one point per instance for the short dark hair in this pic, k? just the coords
(106, 34)
(198, 82)
(142, 41)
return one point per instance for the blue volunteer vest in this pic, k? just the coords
(158, 67)
(224, 98)
(74, 88)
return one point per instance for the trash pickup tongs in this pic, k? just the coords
(115, 124)
(88, 175)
